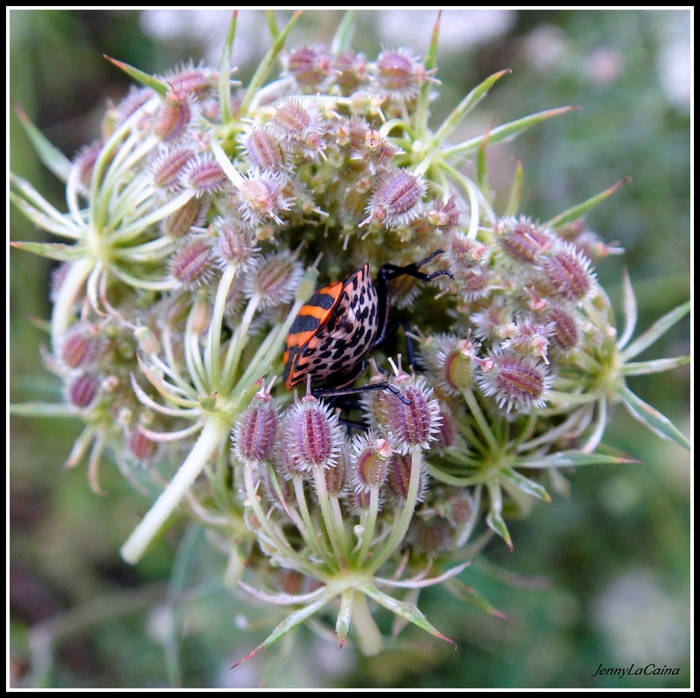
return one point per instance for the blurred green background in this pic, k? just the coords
(599, 578)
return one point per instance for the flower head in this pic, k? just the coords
(214, 236)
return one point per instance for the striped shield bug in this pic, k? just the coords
(340, 324)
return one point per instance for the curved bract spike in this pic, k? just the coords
(145, 79)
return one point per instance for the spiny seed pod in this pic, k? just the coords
(233, 245)
(430, 536)
(454, 504)
(518, 383)
(350, 71)
(310, 66)
(174, 116)
(399, 478)
(586, 241)
(255, 432)
(313, 434)
(369, 462)
(523, 240)
(361, 501)
(527, 336)
(451, 361)
(264, 151)
(374, 401)
(399, 74)
(487, 323)
(459, 508)
(83, 390)
(167, 167)
(286, 464)
(234, 297)
(204, 175)
(567, 274)
(80, 346)
(414, 422)
(397, 200)
(336, 477)
(351, 133)
(191, 265)
(190, 79)
(474, 282)
(261, 197)
(464, 253)
(297, 127)
(200, 313)
(174, 309)
(252, 523)
(377, 151)
(189, 215)
(141, 447)
(274, 278)
(448, 432)
(277, 491)
(134, 100)
(445, 214)
(146, 340)
(566, 334)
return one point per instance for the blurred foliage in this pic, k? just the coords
(81, 618)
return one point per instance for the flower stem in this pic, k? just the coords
(214, 432)
(405, 514)
(73, 286)
(369, 639)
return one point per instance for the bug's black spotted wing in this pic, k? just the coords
(333, 332)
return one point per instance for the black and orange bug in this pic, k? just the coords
(339, 325)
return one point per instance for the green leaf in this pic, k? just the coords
(570, 459)
(265, 65)
(494, 519)
(516, 191)
(482, 176)
(158, 86)
(460, 112)
(290, 622)
(225, 71)
(272, 24)
(526, 485)
(51, 156)
(51, 250)
(629, 309)
(46, 222)
(659, 328)
(342, 38)
(643, 368)
(652, 418)
(469, 595)
(502, 134)
(408, 611)
(422, 107)
(40, 211)
(342, 625)
(581, 209)
(42, 409)
(496, 523)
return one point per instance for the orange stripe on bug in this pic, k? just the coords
(333, 332)
(312, 315)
